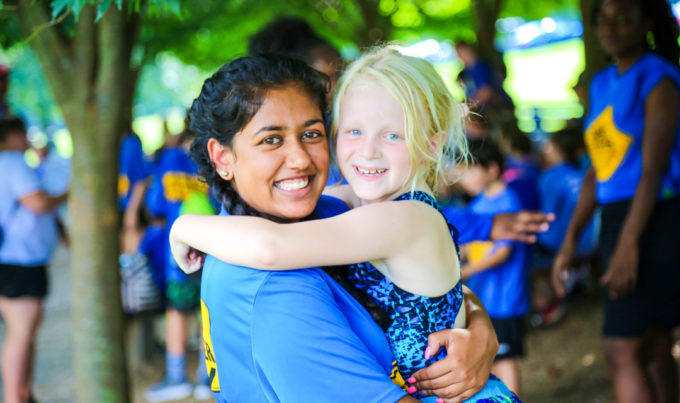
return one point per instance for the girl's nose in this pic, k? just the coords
(369, 148)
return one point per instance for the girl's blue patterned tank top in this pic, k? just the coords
(411, 317)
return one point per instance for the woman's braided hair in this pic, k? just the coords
(229, 100)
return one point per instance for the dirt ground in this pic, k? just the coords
(564, 362)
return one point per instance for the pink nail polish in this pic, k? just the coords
(428, 353)
(439, 400)
(411, 380)
(411, 389)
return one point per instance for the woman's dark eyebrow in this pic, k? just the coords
(270, 129)
(308, 123)
(312, 122)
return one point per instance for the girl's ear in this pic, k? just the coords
(436, 142)
(222, 158)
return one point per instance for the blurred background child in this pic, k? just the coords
(496, 271)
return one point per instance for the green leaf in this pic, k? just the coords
(101, 9)
(77, 6)
(58, 6)
(119, 4)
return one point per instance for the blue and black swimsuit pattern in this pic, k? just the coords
(413, 317)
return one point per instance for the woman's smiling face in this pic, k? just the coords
(279, 160)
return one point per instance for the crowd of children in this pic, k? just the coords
(152, 194)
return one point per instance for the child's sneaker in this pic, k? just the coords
(164, 391)
(202, 392)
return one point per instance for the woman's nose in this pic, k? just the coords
(297, 156)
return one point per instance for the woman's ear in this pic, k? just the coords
(222, 158)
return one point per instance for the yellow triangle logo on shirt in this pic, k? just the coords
(478, 250)
(210, 363)
(606, 144)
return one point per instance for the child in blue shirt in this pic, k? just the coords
(497, 271)
(559, 186)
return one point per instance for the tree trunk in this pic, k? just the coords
(91, 79)
(486, 14)
(596, 60)
(376, 28)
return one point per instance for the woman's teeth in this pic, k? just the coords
(371, 171)
(292, 184)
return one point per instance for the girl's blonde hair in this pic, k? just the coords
(433, 119)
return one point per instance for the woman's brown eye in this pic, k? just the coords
(312, 135)
(271, 140)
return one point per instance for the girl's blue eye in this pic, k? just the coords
(392, 136)
(355, 132)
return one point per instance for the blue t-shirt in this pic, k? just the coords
(154, 245)
(28, 239)
(133, 166)
(615, 126)
(504, 289)
(521, 175)
(475, 77)
(559, 188)
(291, 336)
(471, 226)
(174, 178)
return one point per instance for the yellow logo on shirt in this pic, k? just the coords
(178, 185)
(210, 363)
(396, 377)
(478, 250)
(606, 144)
(123, 185)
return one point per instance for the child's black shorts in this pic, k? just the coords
(23, 281)
(655, 302)
(510, 333)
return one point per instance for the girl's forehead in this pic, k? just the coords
(363, 83)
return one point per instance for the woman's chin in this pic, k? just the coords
(292, 213)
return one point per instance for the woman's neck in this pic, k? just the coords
(624, 62)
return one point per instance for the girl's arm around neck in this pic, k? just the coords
(411, 238)
(344, 193)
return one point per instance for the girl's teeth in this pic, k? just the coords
(370, 171)
(292, 184)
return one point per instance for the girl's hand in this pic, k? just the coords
(622, 273)
(188, 259)
(560, 265)
(466, 368)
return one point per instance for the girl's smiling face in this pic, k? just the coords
(278, 162)
(371, 145)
